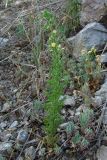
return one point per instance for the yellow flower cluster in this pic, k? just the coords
(53, 45)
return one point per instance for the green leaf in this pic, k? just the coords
(85, 117)
(70, 127)
(77, 138)
(37, 105)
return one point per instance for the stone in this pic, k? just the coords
(105, 119)
(64, 125)
(22, 136)
(30, 153)
(7, 136)
(6, 107)
(5, 147)
(63, 111)
(92, 35)
(13, 125)
(93, 10)
(102, 92)
(77, 113)
(69, 101)
(20, 158)
(98, 100)
(103, 58)
(42, 151)
(102, 153)
(18, 146)
(71, 112)
(3, 124)
(81, 108)
(3, 42)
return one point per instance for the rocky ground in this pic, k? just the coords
(21, 114)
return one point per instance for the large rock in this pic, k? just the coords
(102, 92)
(104, 58)
(93, 10)
(93, 35)
(102, 153)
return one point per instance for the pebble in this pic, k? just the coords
(18, 146)
(69, 101)
(5, 147)
(77, 113)
(81, 108)
(64, 125)
(22, 136)
(103, 58)
(19, 158)
(2, 96)
(3, 124)
(6, 107)
(63, 111)
(105, 119)
(3, 42)
(1, 87)
(71, 112)
(42, 151)
(5, 135)
(13, 125)
(98, 100)
(30, 153)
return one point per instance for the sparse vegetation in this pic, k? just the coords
(55, 87)
(49, 74)
(86, 71)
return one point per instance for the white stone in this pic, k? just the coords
(3, 42)
(13, 125)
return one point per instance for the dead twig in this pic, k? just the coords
(6, 115)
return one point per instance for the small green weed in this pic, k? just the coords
(86, 70)
(56, 82)
(70, 127)
(77, 138)
(55, 87)
(85, 118)
(20, 30)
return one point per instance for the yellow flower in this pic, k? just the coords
(54, 31)
(53, 45)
